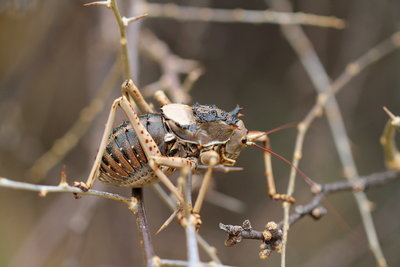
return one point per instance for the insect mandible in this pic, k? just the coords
(148, 148)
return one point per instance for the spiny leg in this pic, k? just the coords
(149, 146)
(132, 93)
(96, 165)
(255, 136)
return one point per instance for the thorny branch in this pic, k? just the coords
(122, 24)
(313, 208)
(63, 187)
(326, 89)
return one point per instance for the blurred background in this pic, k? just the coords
(54, 58)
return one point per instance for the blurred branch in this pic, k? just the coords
(135, 205)
(178, 263)
(171, 67)
(188, 13)
(304, 49)
(64, 144)
(208, 249)
(314, 208)
(72, 220)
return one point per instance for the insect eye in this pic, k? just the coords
(244, 140)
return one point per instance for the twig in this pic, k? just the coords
(188, 13)
(70, 139)
(143, 228)
(44, 189)
(210, 250)
(322, 83)
(72, 219)
(178, 263)
(360, 184)
(237, 233)
(122, 24)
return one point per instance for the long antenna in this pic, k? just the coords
(285, 126)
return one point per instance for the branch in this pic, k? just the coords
(61, 188)
(122, 24)
(188, 13)
(171, 66)
(62, 146)
(314, 208)
(178, 263)
(321, 81)
(143, 228)
(360, 184)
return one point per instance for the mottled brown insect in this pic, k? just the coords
(148, 148)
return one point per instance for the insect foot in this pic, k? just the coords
(283, 197)
(82, 186)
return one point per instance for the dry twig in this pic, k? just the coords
(314, 208)
(188, 13)
(62, 146)
(171, 65)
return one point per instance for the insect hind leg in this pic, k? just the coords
(94, 173)
(148, 144)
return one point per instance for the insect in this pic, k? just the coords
(148, 148)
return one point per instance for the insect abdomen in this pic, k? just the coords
(124, 162)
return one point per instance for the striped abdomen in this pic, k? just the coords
(124, 162)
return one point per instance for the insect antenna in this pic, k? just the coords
(282, 127)
(308, 180)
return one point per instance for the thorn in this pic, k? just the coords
(43, 193)
(167, 222)
(389, 113)
(394, 120)
(126, 20)
(106, 4)
(63, 177)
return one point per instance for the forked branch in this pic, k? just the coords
(313, 208)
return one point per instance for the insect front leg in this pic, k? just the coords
(255, 136)
(211, 159)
